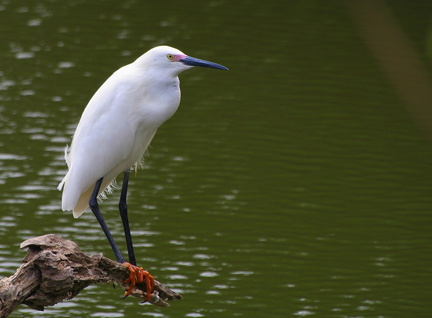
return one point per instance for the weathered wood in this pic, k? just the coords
(55, 269)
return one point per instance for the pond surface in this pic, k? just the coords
(296, 184)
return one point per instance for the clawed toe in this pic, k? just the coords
(138, 275)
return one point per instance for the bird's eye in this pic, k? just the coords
(170, 57)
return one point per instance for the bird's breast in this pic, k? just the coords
(158, 104)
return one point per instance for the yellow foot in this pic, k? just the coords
(137, 276)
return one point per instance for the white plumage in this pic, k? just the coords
(120, 121)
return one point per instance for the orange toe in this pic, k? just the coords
(137, 276)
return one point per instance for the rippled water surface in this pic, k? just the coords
(296, 184)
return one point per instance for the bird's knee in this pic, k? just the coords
(93, 203)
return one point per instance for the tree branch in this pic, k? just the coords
(55, 269)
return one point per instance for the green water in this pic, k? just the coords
(296, 184)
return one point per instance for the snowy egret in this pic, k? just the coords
(114, 132)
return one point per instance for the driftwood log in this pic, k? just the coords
(55, 269)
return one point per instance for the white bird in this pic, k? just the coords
(116, 128)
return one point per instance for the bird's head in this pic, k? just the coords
(173, 60)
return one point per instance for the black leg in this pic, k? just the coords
(94, 206)
(124, 216)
